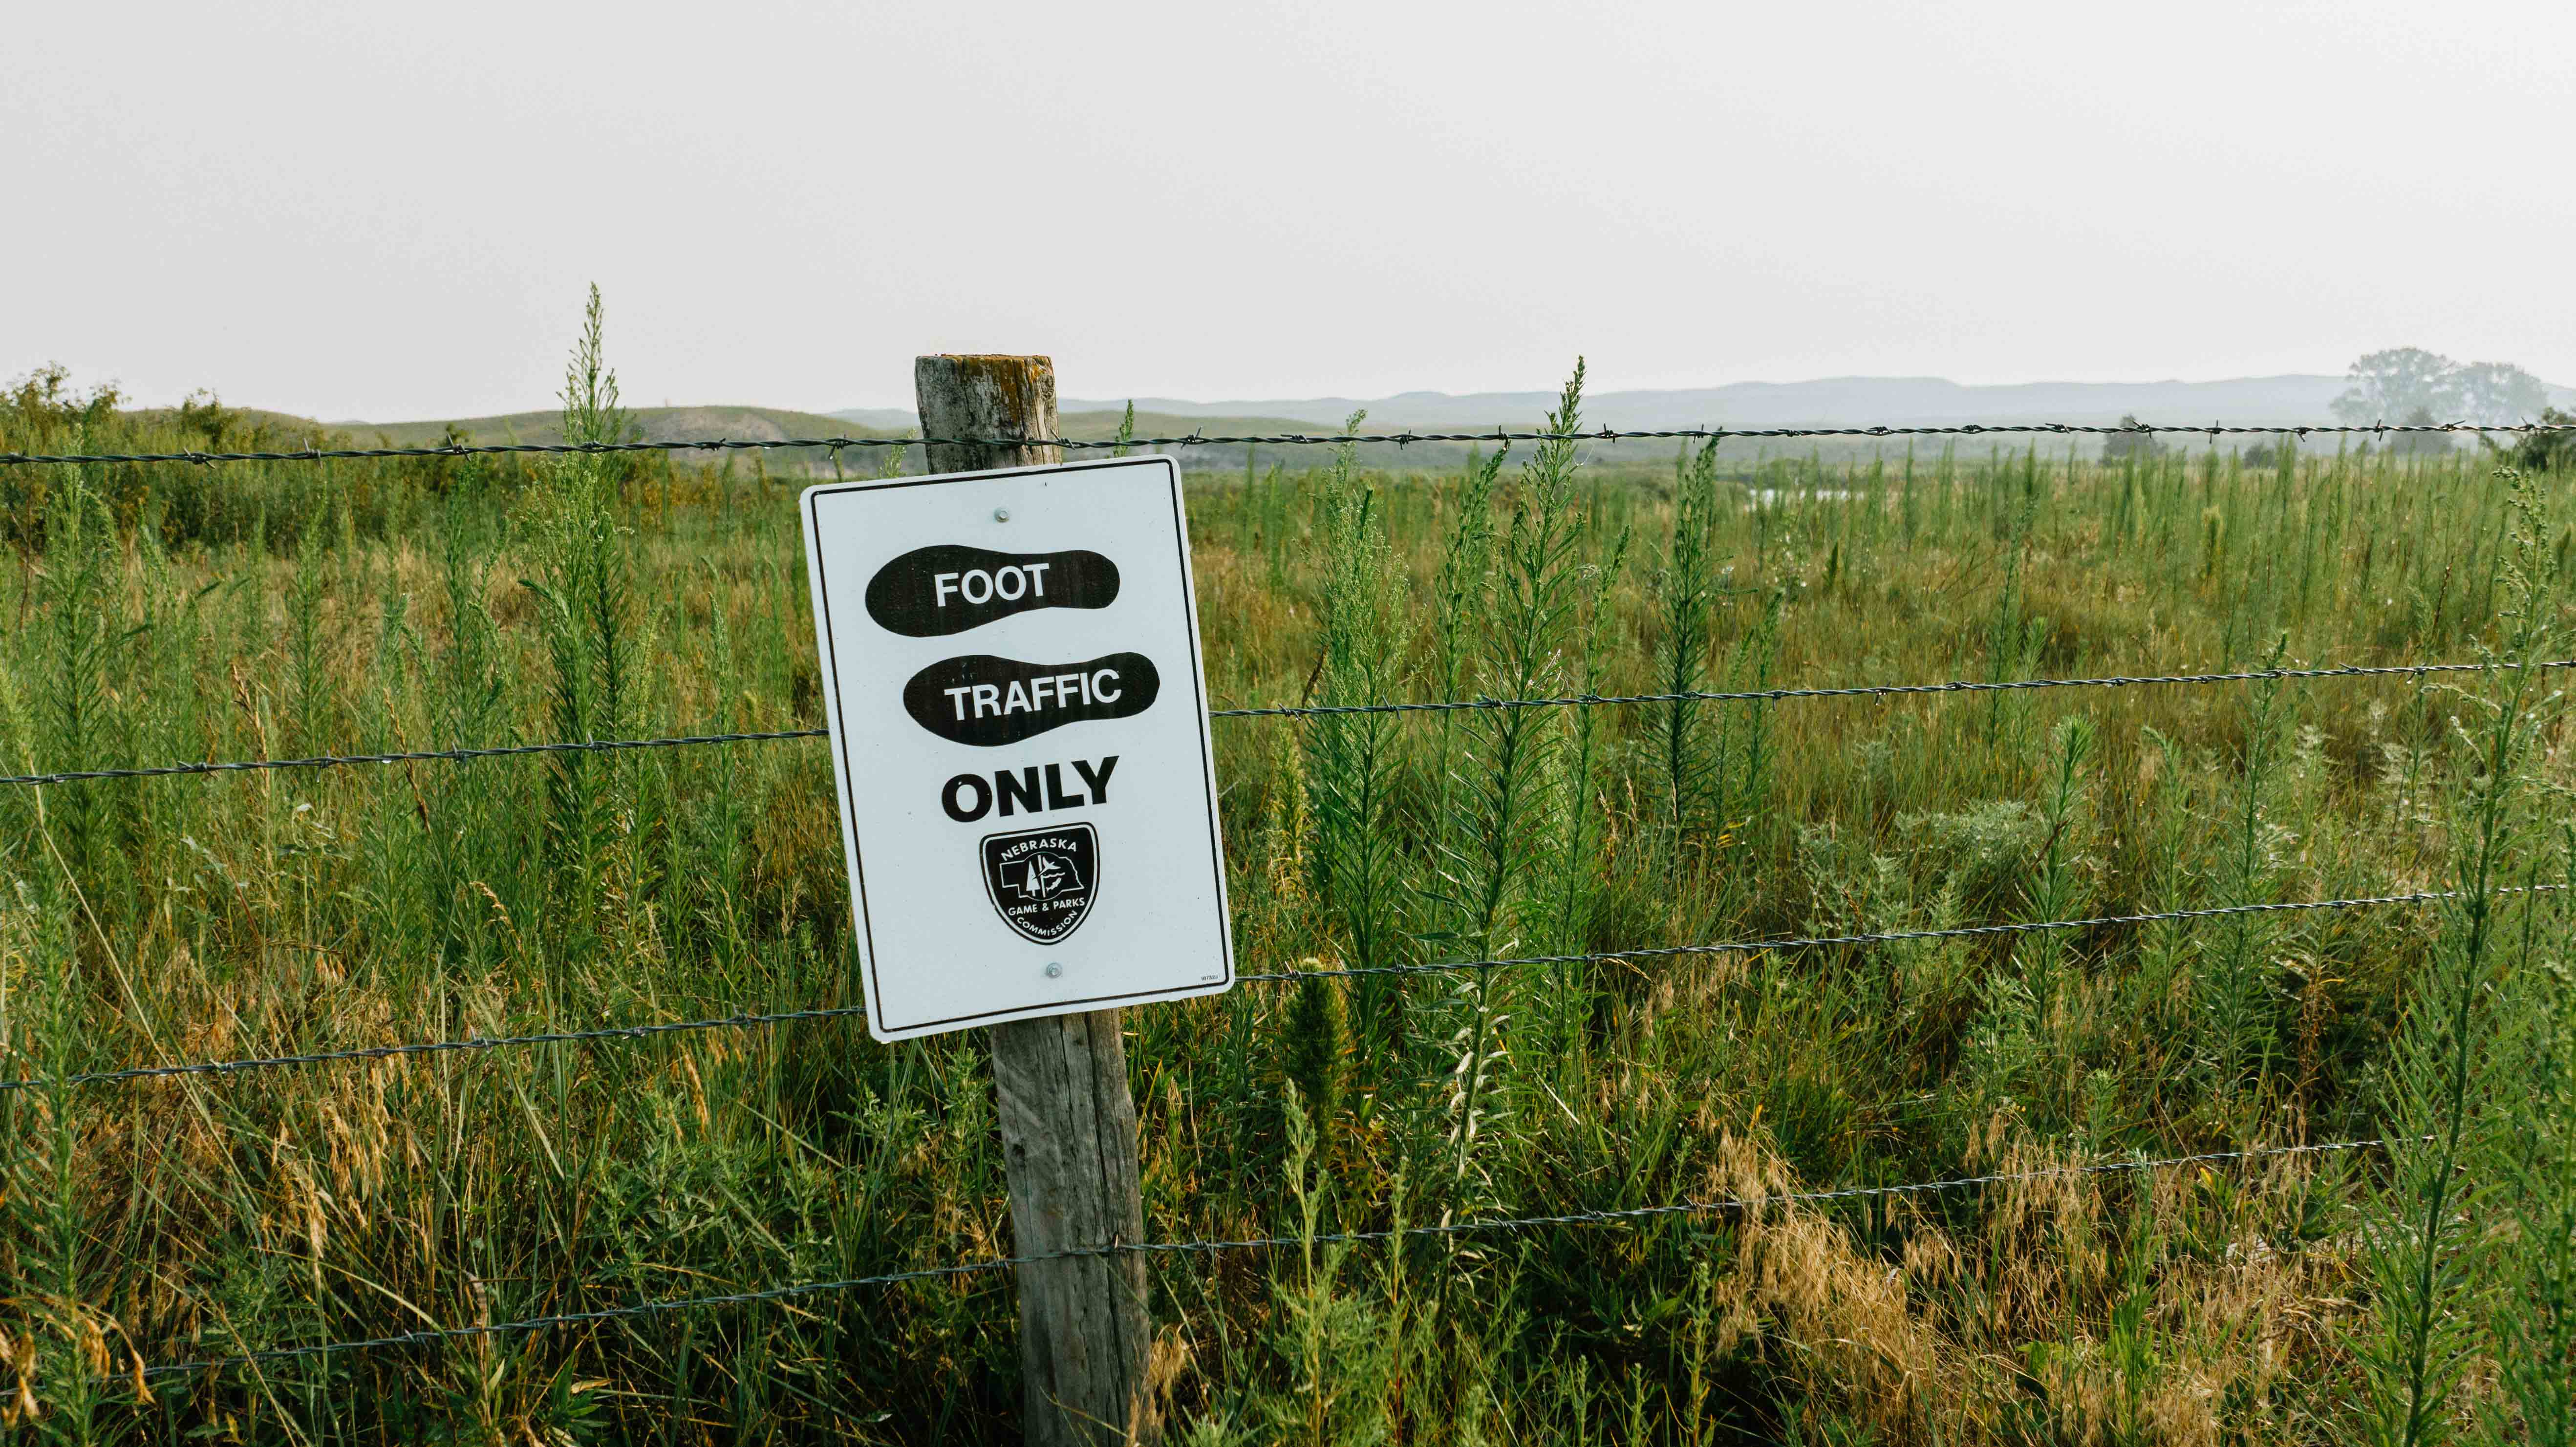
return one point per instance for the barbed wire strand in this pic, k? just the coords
(1773, 695)
(1609, 1217)
(461, 754)
(1881, 937)
(1296, 439)
(464, 754)
(758, 1021)
(842, 1012)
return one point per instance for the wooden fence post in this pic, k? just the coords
(1068, 1117)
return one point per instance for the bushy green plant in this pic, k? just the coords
(583, 592)
(2532, 1313)
(2454, 1109)
(1687, 588)
(1352, 760)
(2239, 999)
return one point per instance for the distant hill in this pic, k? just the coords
(1102, 424)
(1094, 422)
(1831, 402)
(892, 419)
(1090, 421)
(1834, 402)
(246, 421)
(654, 424)
(771, 424)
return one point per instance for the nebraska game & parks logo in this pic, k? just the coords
(1042, 881)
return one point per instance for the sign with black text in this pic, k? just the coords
(1010, 668)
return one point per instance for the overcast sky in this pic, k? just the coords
(358, 211)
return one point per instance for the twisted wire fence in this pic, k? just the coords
(1612, 1216)
(468, 754)
(1604, 1217)
(1503, 436)
(770, 1020)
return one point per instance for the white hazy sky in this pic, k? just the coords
(361, 210)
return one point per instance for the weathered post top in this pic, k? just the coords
(986, 396)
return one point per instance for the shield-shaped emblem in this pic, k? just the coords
(1042, 881)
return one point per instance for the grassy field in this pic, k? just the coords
(167, 614)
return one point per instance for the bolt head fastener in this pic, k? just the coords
(1053, 969)
(1001, 514)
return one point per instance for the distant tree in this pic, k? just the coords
(204, 415)
(42, 408)
(2398, 383)
(2544, 451)
(2499, 392)
(2419, 444)
(2121, 446)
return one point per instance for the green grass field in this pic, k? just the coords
(164, 614)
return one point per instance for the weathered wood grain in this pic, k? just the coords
(981, 396)
(1068, 1117)
(1069, 1141)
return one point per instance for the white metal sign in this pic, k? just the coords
(1010, 664)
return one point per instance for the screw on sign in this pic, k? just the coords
(1004, 644)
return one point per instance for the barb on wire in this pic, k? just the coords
(411, 756)
(1620, 1216)
(784, 1017)
(1295, 439)
(1586, 700)
(442, 1047)
(1880, 937)
(1874, 690)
